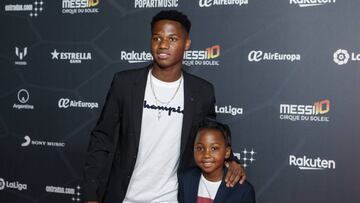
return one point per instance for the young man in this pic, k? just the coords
(142, 140)
(205, 183)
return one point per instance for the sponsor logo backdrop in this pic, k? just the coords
(286, 75)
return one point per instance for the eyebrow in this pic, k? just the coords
(200, 143)
(172, 34)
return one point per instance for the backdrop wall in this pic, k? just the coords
(286, 75)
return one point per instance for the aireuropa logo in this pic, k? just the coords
(80, 6)
(33, 9)
(74, 192)
(205, 57)
(257, 56)
(136, 57)
(246, 157)
(311, 3)
(300, 112)
(21, 53)
(156, 3)
(305, 163)
(27, 142)
(65, 103)
(23, 97)
(231, 110)
(71, 57)
(342, 56)
(209, 3)
(12, 185)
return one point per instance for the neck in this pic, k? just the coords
(166, 74)
(214, 176)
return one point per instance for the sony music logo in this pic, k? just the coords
(27, 142)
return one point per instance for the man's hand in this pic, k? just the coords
(235, 173)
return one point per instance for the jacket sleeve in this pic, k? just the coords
(181, 191)
(101, 145)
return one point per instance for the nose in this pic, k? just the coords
(164, 44)
(207, 153)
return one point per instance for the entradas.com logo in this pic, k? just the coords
(136, 57)
(156, 3)
(342, 56)
(315, 113)
(12, 185)
(305, 163)
(311, 3)
(80, 6)
(257, 56)
(73, 192)
(229, 110)
(205, 57)
(33, 9)
(209, 3)
(71, 57)
(68, 103)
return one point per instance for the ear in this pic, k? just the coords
(228, 151)
(187, 44)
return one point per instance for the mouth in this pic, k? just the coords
(207, 164)
(163, 55)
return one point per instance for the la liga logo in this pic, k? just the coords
(343, 56)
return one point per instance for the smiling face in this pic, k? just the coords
(169, 40)
(210, 152)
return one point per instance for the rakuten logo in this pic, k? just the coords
(305, 163)
(310, 3)
(136, 57)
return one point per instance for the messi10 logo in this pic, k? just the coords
(209, 53)
(79, 3)
(318, 108)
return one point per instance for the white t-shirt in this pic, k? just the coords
(207, 190)
(154, 178)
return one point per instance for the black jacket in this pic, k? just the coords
(189, 183)
(114, 142)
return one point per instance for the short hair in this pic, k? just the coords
(172, 15)
(211, 124)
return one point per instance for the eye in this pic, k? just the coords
(198, 148)
(156, 39)
(214, 148)
(173, 39)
